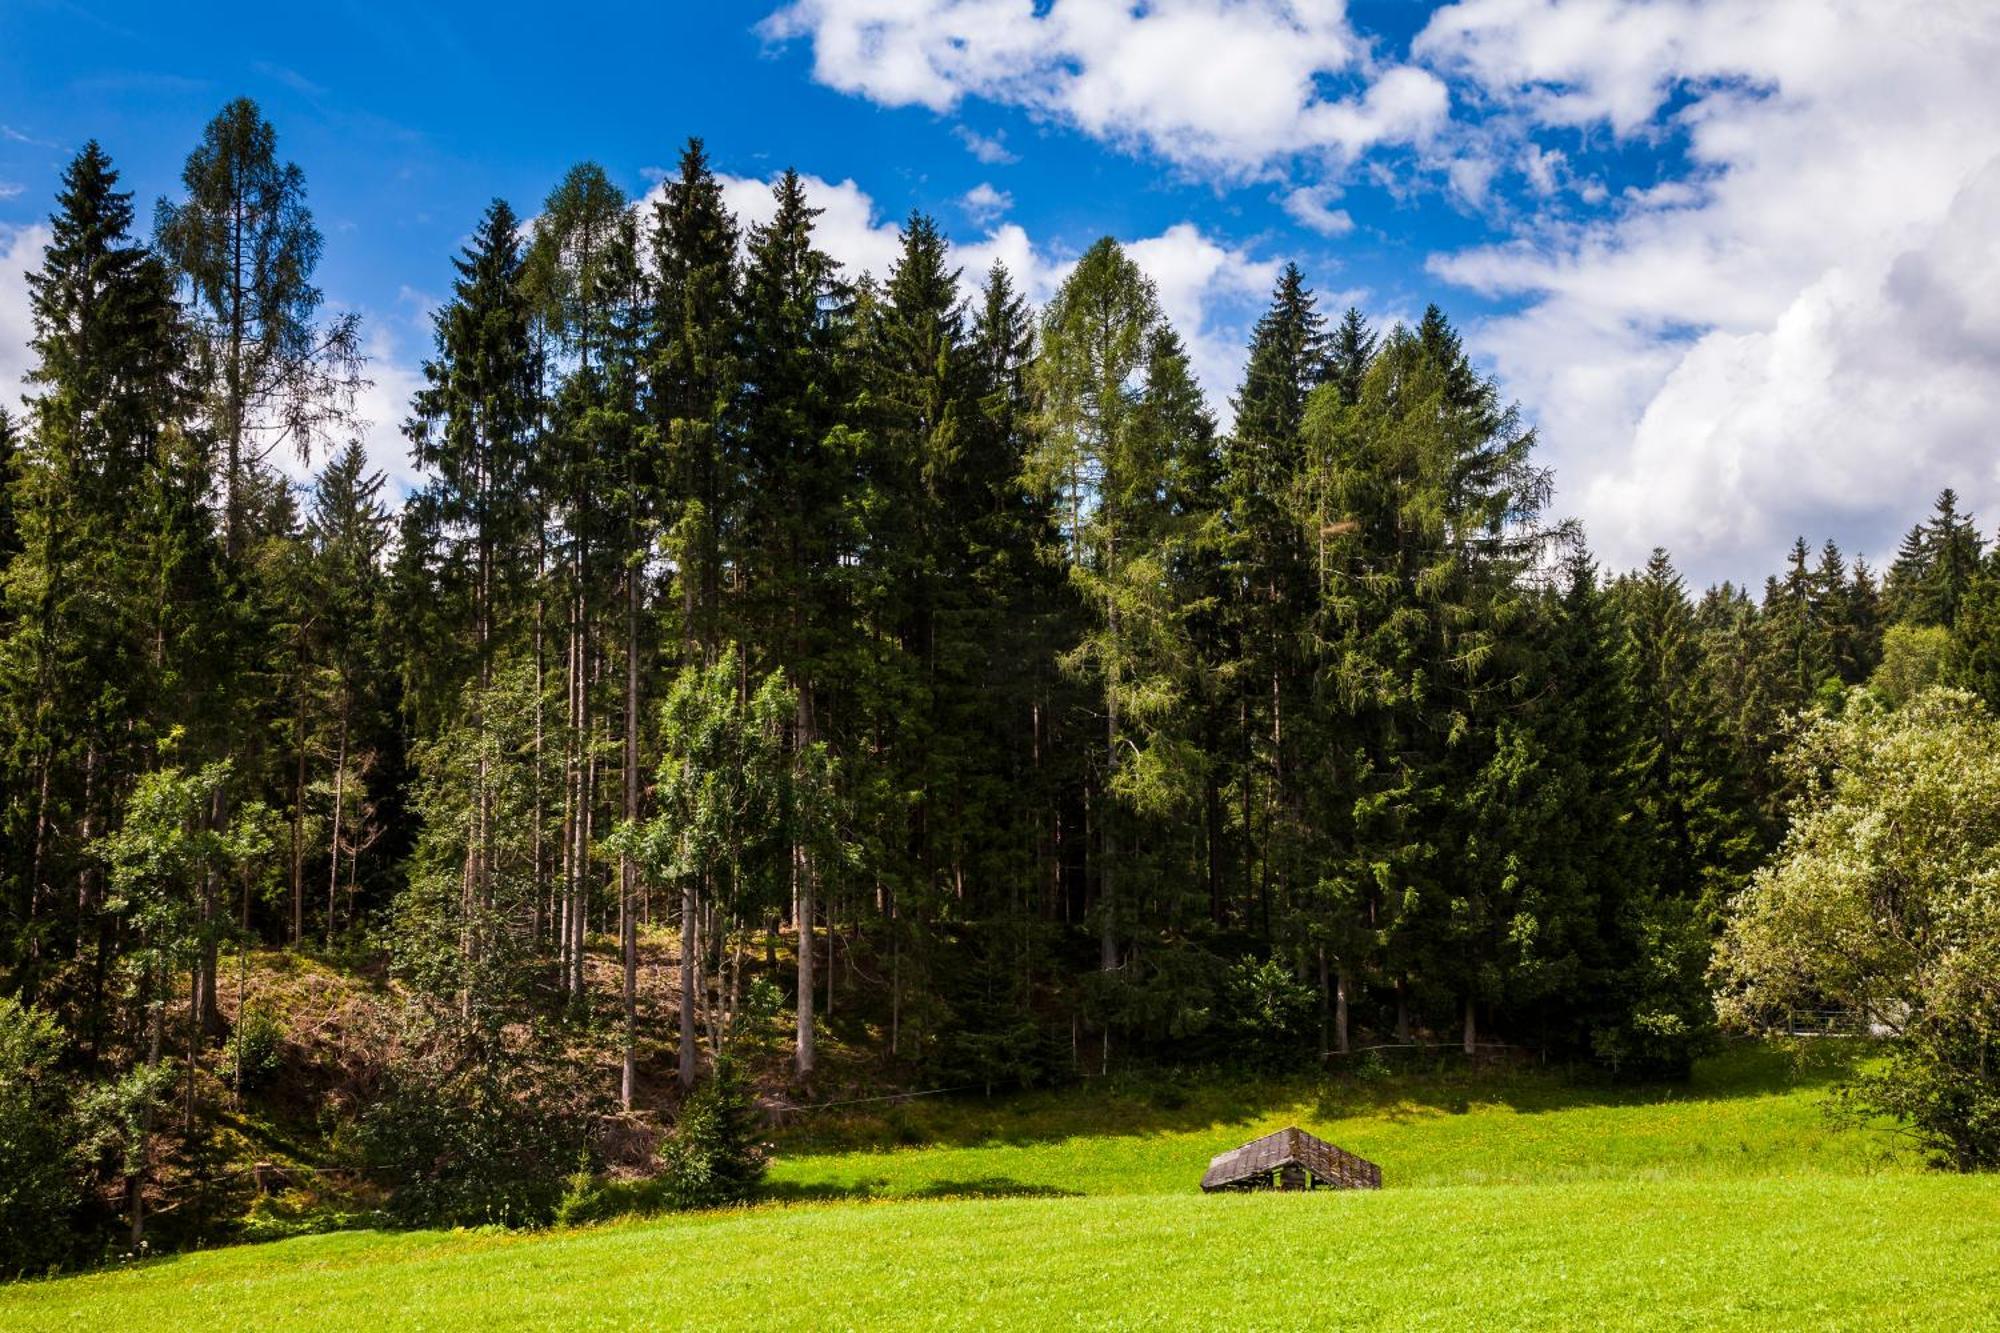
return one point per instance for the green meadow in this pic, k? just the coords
(1517, 1199)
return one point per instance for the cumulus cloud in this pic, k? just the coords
(1212, 293)
(1226, 87)
(1789, 335)
(983, 203)
(991, 149)
(20, 253)
(1311, 206)
(383, 407)
(1210, 289)
(847, 227)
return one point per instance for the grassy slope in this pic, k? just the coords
(1748, 1112)
(1730, 1203)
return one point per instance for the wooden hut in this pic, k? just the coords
(1290, 1159)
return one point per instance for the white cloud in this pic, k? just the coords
(385, 405)
(1210, 290)
(847, 227)
(20, 253)
(1755, 346)
(1212, 293)
(982, 203)
(1227, 87)
(1544, 168)
(11, 190)
(991, 149)
(1311, 206)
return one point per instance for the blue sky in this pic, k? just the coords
(1731, 258)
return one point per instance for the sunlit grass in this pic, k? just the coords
(1513, 1200)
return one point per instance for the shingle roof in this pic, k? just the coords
(1329, 1165)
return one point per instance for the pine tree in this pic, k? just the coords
(1261, 462)
(86, 686)
(694, 381)
(798, 466)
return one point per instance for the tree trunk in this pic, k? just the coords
(339, 814)
(690, 946)
(802, 915)
(1340, 988)
(1471, 1028)
(628, 870)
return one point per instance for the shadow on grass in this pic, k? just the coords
(989, 1187)
(1408, 1086)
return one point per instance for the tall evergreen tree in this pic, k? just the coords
(694, 380)
(1262, 459)
(1095, 464)
(472, 430)
(798, 466)
(87, 687)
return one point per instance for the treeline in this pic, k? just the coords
(880, 620)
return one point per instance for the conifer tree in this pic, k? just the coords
(1424, 502)
(581, 241)
(1262, 458)
(347, 533)
(693, 380)
(1690, 786)
(472, 429)
(1350, 348)
(85, 685)
(244, 245)
(1934, 566)
(1093, 462)
(798, 465)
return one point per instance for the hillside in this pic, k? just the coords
(1517, 1197)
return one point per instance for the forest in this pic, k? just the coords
(789, 682)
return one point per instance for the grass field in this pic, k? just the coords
(1511, 1201)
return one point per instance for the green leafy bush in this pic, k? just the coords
(39, 1190)
(471, 1132)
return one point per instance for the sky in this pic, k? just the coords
(1739, 262)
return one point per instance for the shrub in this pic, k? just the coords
(256, 1049)
(1268, 1011)
(585, 1199)
(470, 1132)
(39, 1191)
(1665, 1016)
(715, 1154)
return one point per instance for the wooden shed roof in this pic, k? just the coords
(1329, 1165)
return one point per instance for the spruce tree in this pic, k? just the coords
(1262, 458)
(1350, 348)
(472, 430)
(694, 382)
(87, 691)
(798, 466)
(1691, 788)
